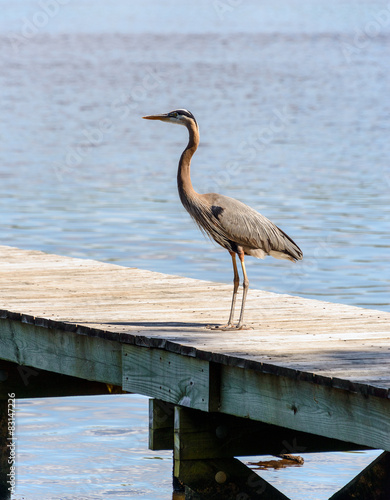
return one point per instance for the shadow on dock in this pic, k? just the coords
(159, 324)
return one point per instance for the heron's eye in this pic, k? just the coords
(175, 115)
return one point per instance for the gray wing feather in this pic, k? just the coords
(225, 219)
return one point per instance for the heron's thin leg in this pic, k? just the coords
(236, 283)
(245, 290)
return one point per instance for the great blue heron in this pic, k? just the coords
(232, 224)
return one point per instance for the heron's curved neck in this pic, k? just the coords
(184, 183)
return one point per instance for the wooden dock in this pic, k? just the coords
(309, 375)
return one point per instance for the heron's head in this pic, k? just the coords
(179, 116)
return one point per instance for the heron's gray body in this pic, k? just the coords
(229, 222)
(236, 226)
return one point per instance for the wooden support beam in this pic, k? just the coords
(360, 419)
(160, 425)
(167, 376)
(224, 479)
(213, 478)
(217, 435)
(27, 382)
(5, 465)
(306, 406)
(372, 483)
(61, 351)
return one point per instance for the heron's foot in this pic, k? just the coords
(244, 327)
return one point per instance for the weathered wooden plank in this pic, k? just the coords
(61, 351)
(239, 359)
(173, 378)
(161, 417)
(305, 406)
(372, 483)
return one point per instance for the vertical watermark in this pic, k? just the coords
(11, 445)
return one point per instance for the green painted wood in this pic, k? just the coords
(181, 380)
(59, 351)
(372, 483)
(160, 425)
(224, 479)
(201, 435)
(28, 382)
(5, 465)
(305, 406)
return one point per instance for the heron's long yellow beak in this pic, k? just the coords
(163, 117)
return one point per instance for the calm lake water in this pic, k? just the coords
(293, 104)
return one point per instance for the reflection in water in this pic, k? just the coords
(96, 447)
(276, 464)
